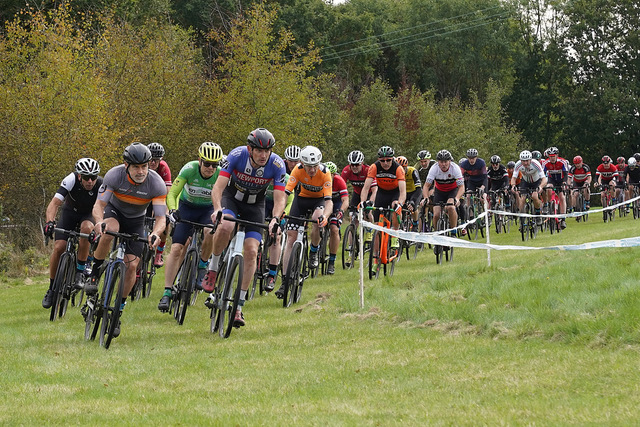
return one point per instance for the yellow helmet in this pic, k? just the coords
(210, 151)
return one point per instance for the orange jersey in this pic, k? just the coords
(386, 179)
(316, 187)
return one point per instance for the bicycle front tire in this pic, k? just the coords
(65, 267)
(111, 305)
(293, 275)
(186, 285)
(231, 295)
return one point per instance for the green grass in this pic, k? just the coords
(543, 337)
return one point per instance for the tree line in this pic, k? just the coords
(86, 78)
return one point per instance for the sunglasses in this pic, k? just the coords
(385, 160)
(209, 164)
(89, 177)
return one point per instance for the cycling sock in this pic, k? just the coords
(202, 263)
(215, 260)
(243, 295)
(50, 283)
(332, 258)
(315, 248)
(123, 302)
(96, 266)
(167, 292)
(273, 270)
(80, 265)
(160, 247)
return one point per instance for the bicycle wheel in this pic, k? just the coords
(304, 273)
(525, 223)
(65, 266)
(260, 274)
(111, 303)
(186, 285)
(216, 306)
(231, 295)
(91, 316)
(349, 248)
(293, 275)
(374, 256)
(150, 272)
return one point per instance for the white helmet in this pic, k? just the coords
(310, 156)
(525, 155)
(87, 166)
(632, 162)
(292, 153)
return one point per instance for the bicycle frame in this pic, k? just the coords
(297, 268)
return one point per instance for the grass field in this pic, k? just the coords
(544, 337)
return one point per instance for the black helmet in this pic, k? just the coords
(495, 159)
(511, 164)
(444, 155)
(261, 138)
(136, 154)
(157, 150)
(385, 151)
(535, 154)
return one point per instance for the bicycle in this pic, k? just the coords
(528, 226)
(406, 245)
(443, 224)
(580, 205)
(298, 269)
(473, 209)
(146, 270)
(351, 242)
(226, 294)
(552, 209)
(635, 206)
(607, 200)
(184, 292)
(323, 252)
(382, 255)
(102, 311)
(501, 222)
(64, 280)
(263, 261)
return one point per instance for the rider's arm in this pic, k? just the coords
(174, 193)
(543, 183)
(365, 189)
(217, 190)
(460, 193)
(402, 186)
(52, 209)
(279, 203)
(425, 190)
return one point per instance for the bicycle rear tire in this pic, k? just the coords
(293, 275)
(349, 247)
(374, 260)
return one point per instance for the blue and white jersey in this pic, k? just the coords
(249, 184)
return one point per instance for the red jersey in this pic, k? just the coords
(580, 174)
(556, 171)
(606, 174)
(356, 180)
(339, 188)
(164, 172)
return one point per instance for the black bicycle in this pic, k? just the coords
(298, 269)
(443, 224)
(102, 311)
(64, 290)
(146, 270)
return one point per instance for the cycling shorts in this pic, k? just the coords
(130, 226)
(384, 198)
(303, 207)
(443, 196)
(253, 212)
(415, 196)
(190, 212)
(71, 220)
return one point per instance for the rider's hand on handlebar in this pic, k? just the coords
(322, 221)
(173, 216)
(48, 228)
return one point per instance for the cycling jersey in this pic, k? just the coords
(621, 172)
(448, 180)
(633, 174)
(131, 199)
(556, 171)
(316, 187)
(164, 172)
(580, 174)
(74, 196)
(423, 172)
(510, 173)
(413, 179)
(387, 179)
(606, 174)
(498, 178)
(248, 184)
(476, 173)
(531, 173)
(356, 180)
(191, 187)
(338, 189)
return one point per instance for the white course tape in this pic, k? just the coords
(435, 239)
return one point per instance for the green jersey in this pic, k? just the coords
(191, 187)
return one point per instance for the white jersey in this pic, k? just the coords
(530, 173)
(448, 180)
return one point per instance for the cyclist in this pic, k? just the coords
(532, 177)
(424, 164)
(474, 171)
(621, 182)
(77, 194)
(498, 177)
(240, 191)
(510, 167)
(632, 174)
(162, 168)
(580, 180)
(190, 198)
(557, 172)
(606, 177)
(122, 202)
(311, 184)
(356, 174)
(414, 188)
(536, 155)
(291, 157)
(340, 198)
(392, 187)
(449, 187)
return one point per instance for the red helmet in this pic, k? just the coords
(577, 160)
(621, 160)
(606, 159)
